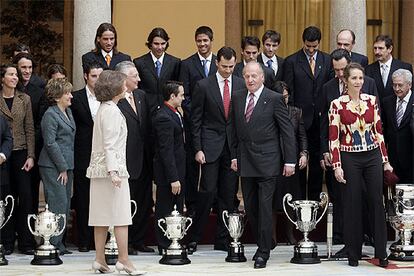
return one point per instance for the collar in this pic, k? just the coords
(315, 55)
(256, 93)
(170, 107)
(265, 58)
(208, 58)
(406, 98)
(388, 63)
(105, 53)
(89, 93)
(154, 58)
(221, 79)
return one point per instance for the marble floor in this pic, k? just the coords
(207, 262)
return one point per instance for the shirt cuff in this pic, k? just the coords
(290, 165)
(2, 155)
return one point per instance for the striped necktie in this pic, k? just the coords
(399, 113)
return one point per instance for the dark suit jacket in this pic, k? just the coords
(280, 64)
(59, 138)
(6, 138)
(210, 129)
(37, 81)
(301, 142)
(257, 142)
(305, 88)
(84, 125)
(373, 70)
(358, 58)
(99, 58)
(150, 82)
(190, 73)
(412, 133)
(169, 158)
(270, 78)
(399, 139)
(137, 132)
(330, 92)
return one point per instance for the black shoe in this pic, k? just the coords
(353, 262)
(64, 252)
(83, 249)
(132, 251)
(27, 251)
(383, 262)
(146, 249)
(191, 247)
(222, 247)
(343, 253)
(260, 262)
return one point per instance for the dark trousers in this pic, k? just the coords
(22, 191)
(81, 193)
(141, 191)
(258, 195)
(335, 192)
(192, 169)
(164, 205)
(363, 170)
(217, 178)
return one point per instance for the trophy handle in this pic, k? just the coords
(286, 199)
(28, 223)
(323, 196)
(160, 226)
(11, 210)
(64, 223)
(135, 208)
(224, 215)
(188, 226)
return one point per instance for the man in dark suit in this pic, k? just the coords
(268, 57)
(382, 69)
(105, 52)
(250, 46)
(397, 110)
(134, 108)
(196, 67)
(211, 132)
(260, 118)
(34, 79)
(156, 67)
(305, 72)
(84, 107)
(345, 39)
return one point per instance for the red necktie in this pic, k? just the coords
(250, 107)
(226, 98)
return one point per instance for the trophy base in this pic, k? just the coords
(402, 253)
(46, 257)
(236, 254)
(3, 260)
(305, 255)
(175, 257)
(111, 259)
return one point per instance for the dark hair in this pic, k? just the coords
(6, 66)
(273, 35)
(20, 47)
(101, 29)
(56, 88)
(226, 52)
(311, 34)
(21, 55)
(56, 68)
(386, 38)
(347, 30)
(157, 32)
(250, 40)
(109, 84)
(279, 86)
(88, 66)
(204, 30)
(339, 54)
(351, 66)
(171, 87)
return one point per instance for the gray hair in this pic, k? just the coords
(251, 63)
(124, 65)
(406, 75)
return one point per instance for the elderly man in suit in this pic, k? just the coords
(397, 111)
(268, 57)
(196, 67)
(137, 156)
(345, 39)
(305, 72)
(84, 108)
(381, 70)
(156, 67)
(105, 52)
(211, 133)
(260, 118)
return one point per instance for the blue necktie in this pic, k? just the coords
(204, 63)
(158, 67)
(269, 63)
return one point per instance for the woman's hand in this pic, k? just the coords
(63, 178)
(303, 162)
(388, 167)
(115, 179)
(176, 187)
(339, 175)
(28, 165)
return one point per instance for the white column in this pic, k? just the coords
(349, 14)
(88, 15)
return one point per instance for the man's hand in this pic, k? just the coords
(303, 162)
(176, 187)
(28, 165)
(233, 165)
(63, 178)
(288, 170)
(200, 158)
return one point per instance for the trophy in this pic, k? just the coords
(305, 251)
(176, 228)
(46, 226)
(111, 248)
(3, 260)
(234, 222)
(403, 223)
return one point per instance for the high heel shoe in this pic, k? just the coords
(97, 267)
(121, 267)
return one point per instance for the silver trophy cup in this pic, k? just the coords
(403, 223)
(46, 226)
(3, 221)
(305, 251)
(111, 248)
(176, 228)
(234, 223)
